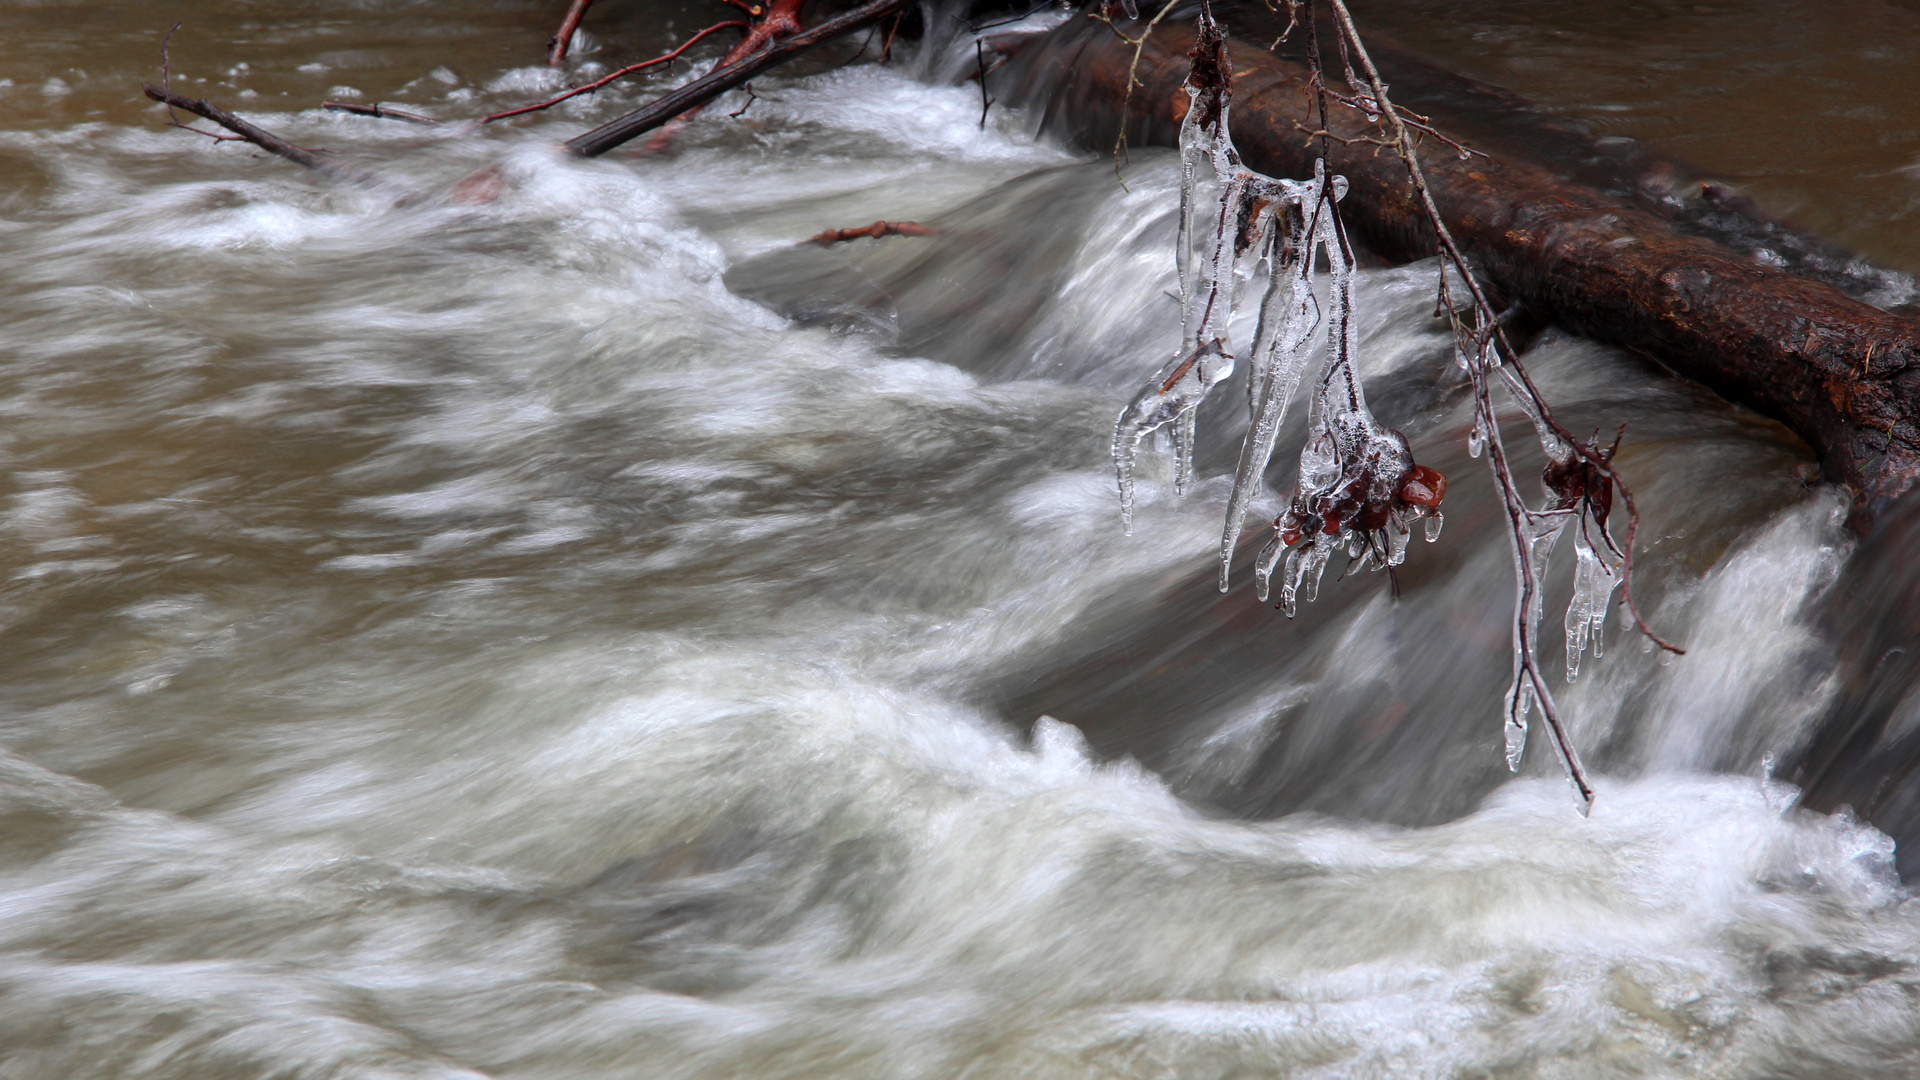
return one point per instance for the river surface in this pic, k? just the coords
(571, 630)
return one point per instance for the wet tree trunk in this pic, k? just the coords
(1842, 374)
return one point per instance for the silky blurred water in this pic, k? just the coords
(587, 634)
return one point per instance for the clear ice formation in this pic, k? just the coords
(1237, 233)
(1359, 489)
(1353, 472)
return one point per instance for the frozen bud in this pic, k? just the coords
(1423, 487)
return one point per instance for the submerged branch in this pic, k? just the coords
(378, 111)
(258, 136)
(875, 230)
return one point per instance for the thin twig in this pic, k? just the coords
(1489, 340)
(664, 58)
(980, 58)
(742, 110)
(378, 111)
(886, 48)
(1133, 72)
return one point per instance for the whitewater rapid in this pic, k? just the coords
(588, 635)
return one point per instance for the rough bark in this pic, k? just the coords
(1842, 374)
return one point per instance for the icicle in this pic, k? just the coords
(1282, 340)
(1516, 738)
(1240, 223)
(1171, 395)
(1184, 436)
(1593, 585)
(1357, 487)
(1435, 520)
(1397, 535)
(1263, 568)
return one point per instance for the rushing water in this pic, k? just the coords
(586, 635)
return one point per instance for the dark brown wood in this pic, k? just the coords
(1842, 374)
(726, 76)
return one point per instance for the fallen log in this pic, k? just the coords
(1840, 373)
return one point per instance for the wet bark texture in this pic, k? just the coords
(1842, 374)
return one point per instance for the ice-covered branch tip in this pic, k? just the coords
(1579, 479)
(1358, 488)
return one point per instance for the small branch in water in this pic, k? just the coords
(742, 110)
(378, 111)
(875, 230)
(980, 58)
(563, 38)
(242, 130)
(886, 49)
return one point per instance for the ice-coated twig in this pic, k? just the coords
(1358, 488)
(1580, 479)
(1236, 227)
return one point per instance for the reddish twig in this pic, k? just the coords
(742, 110)
(378, 111)
(886, 48)
(781, 21)
(664, 58)
(875, 230)
(563, 38)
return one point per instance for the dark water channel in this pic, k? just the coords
(586, 634)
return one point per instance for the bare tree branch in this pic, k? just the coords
(378, 111)
(258, 136)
